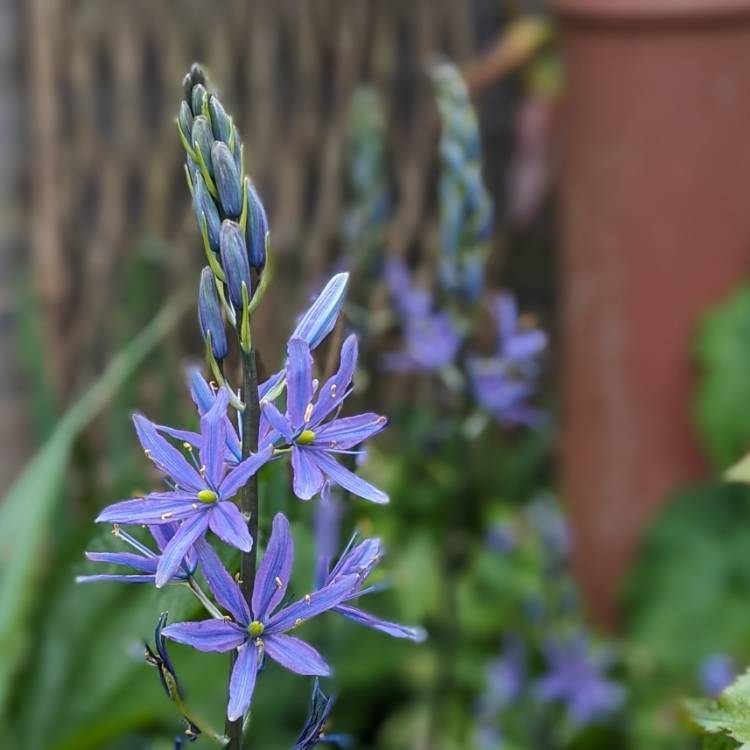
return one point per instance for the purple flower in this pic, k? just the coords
(501, 394)
(314, 442)
(144, 560)
(313, 732)
(260, 629)
(505, 678)
(716, 673)
(516, 345)
(576, 678)
(321, 317)
(432, 339)
(359, 560)
(200, 496)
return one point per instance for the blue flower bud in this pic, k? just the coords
(257, 228)
(237, 147)
(220, 120)
(204, 206)
(227, 178)
(185, 118)
(234, 261)
(321, 316)
(203, 139)
(209, 315)
(198, 95)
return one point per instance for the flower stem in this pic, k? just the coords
(250, 417)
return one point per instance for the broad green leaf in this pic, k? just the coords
(729, 713)
(722, 406)
(27, 509)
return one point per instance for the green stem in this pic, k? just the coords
(250, 417)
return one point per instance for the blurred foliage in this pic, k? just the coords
(722, 405)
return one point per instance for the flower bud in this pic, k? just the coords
(321, 316)
(185, 119)
(227, 178)
(257, 228)
(209, 315)
(220, 120)
(234, 261)
(203, 139)
(205, 206)
(196, 99)
(237, 147)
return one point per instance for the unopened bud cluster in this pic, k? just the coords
(466, 210)
(229, 211)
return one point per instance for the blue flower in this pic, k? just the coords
(261, 628)
(576, 678)
(314, 441)
(716, 674)
(313, 732)
(505, 678)
(359, 560)
(144, 561)
(201, 493)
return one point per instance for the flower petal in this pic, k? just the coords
(336, 388)
(296, 655)
(384, 626)
(358, 559)
(117, 578)
(226, 521)
(239, 475)
(224, 588)
(201, 392)
(308, 478)
(213, 438)
(349, 481)
(273, 383)
(166, 457)
(242, 682)
(184, 436)
(178, 547)
(207, 635)
(320, 319)
(348, 432)
(277, 420)
(298, 381)
(313, 604)
(149, 510)
(130, 560)
(273, 573)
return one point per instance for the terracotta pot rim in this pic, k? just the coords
(652, 10)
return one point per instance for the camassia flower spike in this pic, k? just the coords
(261, 628)
(200, 498)
(314, 441)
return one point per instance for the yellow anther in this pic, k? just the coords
(307, 598)
(207, 496)
(306, 437)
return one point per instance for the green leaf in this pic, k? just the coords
(27, 509)
(722, 407)
(729, 713)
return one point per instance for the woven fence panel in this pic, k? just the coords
(106, 167)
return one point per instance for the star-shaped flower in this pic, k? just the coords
(314, 442)
(261, 628)
(201, 495)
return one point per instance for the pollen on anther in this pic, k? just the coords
(187, 446)
(333, 389)
(308, 412)
(167, 515)
(307, 598)
(297, 622)
(279, 583)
